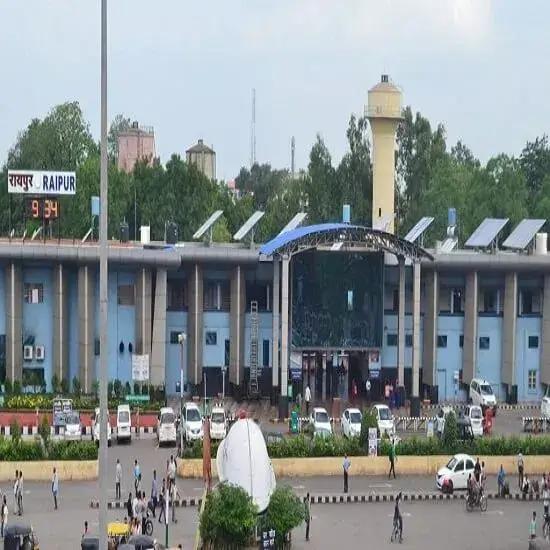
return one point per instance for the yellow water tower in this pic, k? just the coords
(384, 112)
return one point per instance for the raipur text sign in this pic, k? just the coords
(39, 182)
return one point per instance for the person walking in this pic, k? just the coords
(391, 456)
(174, 497)
(85, 529)
(533, 526)
(520, 471)
(15, 491)
(55, 488)
(346, 466)
(307, 398)
(137, 475)
(501, 479)
(162, 501)
(20, 493)
(3, 516)
(129, 506)
(118, 479)
(172, 471)
(154, 493)
(307, 515)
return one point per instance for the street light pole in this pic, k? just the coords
(103, 274)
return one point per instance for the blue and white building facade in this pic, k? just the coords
(481, 315)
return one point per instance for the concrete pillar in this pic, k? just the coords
(509, 330)
(158, 348)
(60, 322)
(283, 400)
(236, 327)
(429, 363)
(194, 325)
(86, 326)
(276, 321)
(469, 350)
(14, 322)
(415, 395)
(144, 280)
(401, 326)
(545, 358)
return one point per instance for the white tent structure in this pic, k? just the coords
(242, 460)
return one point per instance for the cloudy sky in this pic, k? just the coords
(187, 68)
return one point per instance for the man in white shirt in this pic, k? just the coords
(307, 397)
(118, 478)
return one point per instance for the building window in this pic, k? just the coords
(533, 342)
(490, 301)
(408, 340)
(265, 354)
(216, 296)
(457, 296)
(532, 380)
(526, 302)
(126, 295)
(484, 342)
(176, 296)
(174, 337)
(441, 340)
(34, 293)
(461, 341)
(391, 340)
(211, 338)
(227, 355)
(259, 292)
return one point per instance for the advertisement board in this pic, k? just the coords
(41, 182)
(373, 441)
(140, 368)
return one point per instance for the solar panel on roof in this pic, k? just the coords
(486, 232)
(419, 228)
(248, 225)
(207, 224)
(295, 222)
(523, 234)
(448, 245)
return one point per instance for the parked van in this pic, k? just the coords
(95, 427)
(123, 423)
(191, 422)
(218, 423)
(384, 418)
(475, 415)
(166, 426)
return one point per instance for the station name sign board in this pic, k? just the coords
(39, 182)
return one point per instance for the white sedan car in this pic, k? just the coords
(457, 471)
(321, 421)
(351, 422)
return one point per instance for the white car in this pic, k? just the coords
(320, 421)
(384, 419)
(481, 393)
(166, 426)
(191, 422)
(457, 471)
(218, 423)
(545, 404)
(95, 427)
(351, 422)
(123, 423)
(73, 427)
(475, 414)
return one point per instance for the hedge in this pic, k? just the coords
(35, 450)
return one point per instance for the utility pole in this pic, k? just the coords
(103, 274)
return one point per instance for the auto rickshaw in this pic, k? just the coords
(20, 536)
(118, 532)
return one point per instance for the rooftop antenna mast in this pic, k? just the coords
(253, 130)
(292, 155)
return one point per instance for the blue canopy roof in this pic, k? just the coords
(310, 236)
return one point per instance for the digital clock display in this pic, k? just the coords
(47, 209)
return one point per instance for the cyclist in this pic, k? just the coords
(397, 517)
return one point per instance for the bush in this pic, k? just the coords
(8, 388)
(17, 387)
(368, 421)
(15, 431)
(56, 385)
(22, 451)
(228, 518)
(95, 389)
(117, 388)
(44, 430)
(127, 389)
(77, 388)
(450, 433)
(72, 450)
(285, 512)
(65, 386)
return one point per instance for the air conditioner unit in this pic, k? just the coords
(39, 353)
(27, 353)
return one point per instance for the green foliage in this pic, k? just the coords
(368, 421)
(10, 451)
(76, 386)
(228, 518)
(117, 388)
(450, 432)
(56, 385)
(284, 512)
(95, 388)
(15, 431)
(16, 388)
(65, 386)
(72, 450)
(302, 446)
(44, 430)
(8, 387)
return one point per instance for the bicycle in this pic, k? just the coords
(397, 532)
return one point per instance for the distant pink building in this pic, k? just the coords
(138, 142)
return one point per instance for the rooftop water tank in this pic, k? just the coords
(145, 232)
(541, 244)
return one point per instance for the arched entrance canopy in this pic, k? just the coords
(354, 237)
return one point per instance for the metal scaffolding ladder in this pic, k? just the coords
(253, 386)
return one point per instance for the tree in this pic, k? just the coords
(284, 512)
(228, 518)
(120, 124)
(535, 164)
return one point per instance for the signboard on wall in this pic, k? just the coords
(140, 368)
(373, 442)
(41, 182)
